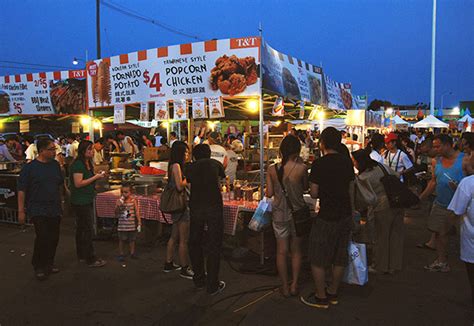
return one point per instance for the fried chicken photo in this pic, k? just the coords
(232, 75)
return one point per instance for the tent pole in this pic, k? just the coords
(260, 122)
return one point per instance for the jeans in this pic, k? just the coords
(46, 241)
(213, 218)
(84, 231)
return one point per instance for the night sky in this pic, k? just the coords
(383, 47)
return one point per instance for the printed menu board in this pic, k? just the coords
(205, 69)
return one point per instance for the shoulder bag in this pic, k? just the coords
(302, 216)
(172, 200)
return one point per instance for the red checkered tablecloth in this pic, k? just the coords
(149, 207)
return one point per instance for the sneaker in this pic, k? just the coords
(186, 272)
(438, 267)
(313, 301)
(41, 276)
(332, 298)
(121, 258)
(220, 288)
(169, 267)
(97, 263)
(53, 270)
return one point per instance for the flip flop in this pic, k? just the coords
(286, 296)
(425, 246)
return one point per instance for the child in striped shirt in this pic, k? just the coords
(129, 221)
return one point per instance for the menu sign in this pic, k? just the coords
(60, 92)
(199, 108)
(291, 77)
(161, 110)
(144, 112)
(181, 111)
(119, 114)
(216, 109)
(204, 69)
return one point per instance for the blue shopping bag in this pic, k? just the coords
(262, 216)
(357, 271)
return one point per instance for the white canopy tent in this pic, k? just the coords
(467, 118)
(399, 121)
(430, 122)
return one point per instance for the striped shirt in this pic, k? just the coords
(127, 217)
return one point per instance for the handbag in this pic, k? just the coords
(364, 195)
(356, 271)
(398, 194)
(302, 216)
(172, 200)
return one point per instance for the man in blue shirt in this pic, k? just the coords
(447, 173)
(39, 192)
(4, 152)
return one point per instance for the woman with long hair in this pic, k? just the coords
(295, 181)
(180, 229)
(388, 221)
(82, 180)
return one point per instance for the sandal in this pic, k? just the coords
(283, 294)
(425, 246)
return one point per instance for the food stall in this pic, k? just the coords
(36, 103)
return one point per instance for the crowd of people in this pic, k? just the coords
(439, 166)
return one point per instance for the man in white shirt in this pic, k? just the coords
(127, 144)
(462, 204)
(232, 163)
(71, 147)
(218, 152)
(98, 147)
(377, 143)
(395, 158)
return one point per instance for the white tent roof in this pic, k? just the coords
(430, 122)
(467, 118)
(399, 121)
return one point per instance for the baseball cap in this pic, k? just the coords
(390, 137)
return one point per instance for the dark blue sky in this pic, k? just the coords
(383, 47)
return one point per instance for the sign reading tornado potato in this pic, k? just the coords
(205, 69)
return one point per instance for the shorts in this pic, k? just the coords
(127, 235)
(284, 229)
(180, 217)
(328, 242)
(440, 220)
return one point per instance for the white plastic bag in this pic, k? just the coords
(357, 271)
(262, 216)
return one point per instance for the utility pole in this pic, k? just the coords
(97, 20)
(433, 60)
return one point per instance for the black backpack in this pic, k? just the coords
(398, 194)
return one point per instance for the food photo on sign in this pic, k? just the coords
(216, 109)
(290, 77)
(161, 110)
(180, 110)
(199, 108)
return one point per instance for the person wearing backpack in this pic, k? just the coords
(395, 158)
(388, 221)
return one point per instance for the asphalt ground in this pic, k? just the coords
(139, 293)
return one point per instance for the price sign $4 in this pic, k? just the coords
(154, 82)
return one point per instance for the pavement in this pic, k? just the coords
(139, 293)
